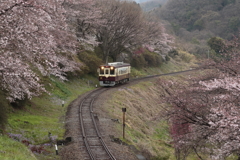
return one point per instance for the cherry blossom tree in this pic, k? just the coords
(35, 38)
(205, 114)
(84, 18)
(156, 37)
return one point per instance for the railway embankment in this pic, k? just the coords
(41, 121)
(147, 129)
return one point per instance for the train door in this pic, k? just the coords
(107, 72)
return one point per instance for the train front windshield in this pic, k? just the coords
(101, 70)
(107, 71)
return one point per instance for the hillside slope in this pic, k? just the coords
(195, 21)
(147, 128)
(218, 17)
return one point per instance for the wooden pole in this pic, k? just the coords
(124, 111)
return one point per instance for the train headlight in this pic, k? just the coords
(102, 67)
(111, 68)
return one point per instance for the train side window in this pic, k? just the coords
(112, 72)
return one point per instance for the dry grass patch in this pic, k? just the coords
(145, 127)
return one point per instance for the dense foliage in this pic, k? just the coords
(217, 16)
(91, 62)
(216, 44)
(146, 59)
(195, 22)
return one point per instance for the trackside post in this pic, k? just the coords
(124, 110)
(56, 147)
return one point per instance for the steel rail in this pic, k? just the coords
(90, 153)
(99, 135)
(100, 90)
(86, 143)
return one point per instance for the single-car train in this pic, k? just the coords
(114, 73)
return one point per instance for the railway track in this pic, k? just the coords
(93, 141)
(165, 74)
(94, 144)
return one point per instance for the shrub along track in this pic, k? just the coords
(76, 150)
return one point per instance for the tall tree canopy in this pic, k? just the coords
(127, 27)
(123, 27)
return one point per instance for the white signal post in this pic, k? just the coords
(56, 147)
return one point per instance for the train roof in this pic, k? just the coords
(117, 64)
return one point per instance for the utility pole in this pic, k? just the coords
(124, 110)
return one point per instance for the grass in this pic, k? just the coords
(13, 150)
(146, 127)
(142, 131)
(41, 116)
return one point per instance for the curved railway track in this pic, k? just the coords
(93, 141)
(91, 137)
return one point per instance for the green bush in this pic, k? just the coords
(216, 43)
(159, 60)
(173, 53)
(138, 61)
(150, 59)
(146, 59)
(91, 62)
(167, 58)
(186, 57)
(136, 73)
